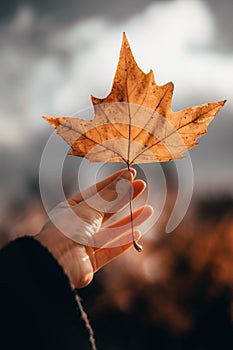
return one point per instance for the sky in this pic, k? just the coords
(55, 54)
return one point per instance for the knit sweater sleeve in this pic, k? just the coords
(37, 305)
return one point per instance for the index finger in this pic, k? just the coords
(89, 192)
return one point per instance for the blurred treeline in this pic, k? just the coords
(176, 294)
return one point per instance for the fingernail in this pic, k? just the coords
(133, 172)
(126, 175)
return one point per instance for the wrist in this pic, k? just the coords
(71, 256)
(53, 241)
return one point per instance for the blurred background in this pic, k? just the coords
(53, 56)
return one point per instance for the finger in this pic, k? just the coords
(91, 191)
(104, 255)
(137, 188)
(110, 235)
(82, 221)
(139, 216)
(109, 199)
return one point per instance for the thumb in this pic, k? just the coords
(82, 221)
(112, 197)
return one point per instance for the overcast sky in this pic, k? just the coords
(54, 54)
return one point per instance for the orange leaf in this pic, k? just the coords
(135, 123)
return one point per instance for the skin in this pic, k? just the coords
(80, 262)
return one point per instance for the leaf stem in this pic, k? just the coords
(136, 245)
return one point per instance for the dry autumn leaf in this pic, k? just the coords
(135, 123)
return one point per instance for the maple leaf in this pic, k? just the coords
(135, 123)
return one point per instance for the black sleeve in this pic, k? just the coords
(37, 305)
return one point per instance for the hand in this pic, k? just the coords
(75, 235)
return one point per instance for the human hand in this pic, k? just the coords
(75, 234)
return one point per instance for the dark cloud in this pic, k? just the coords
(62, 13)
(66, 11)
